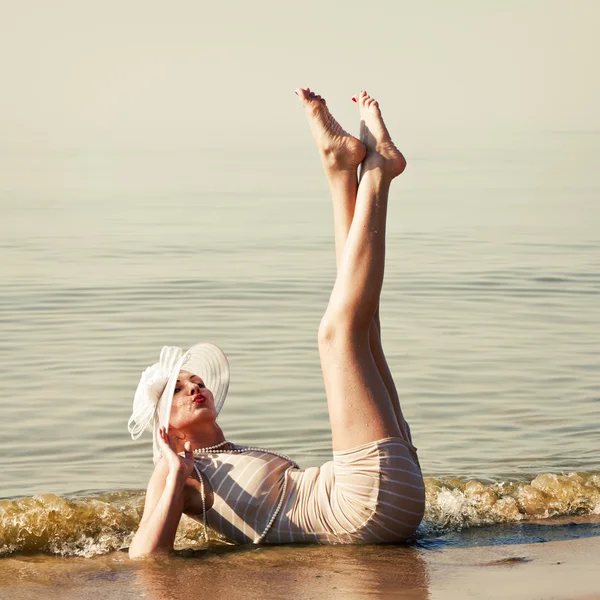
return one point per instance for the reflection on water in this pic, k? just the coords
(334, 573)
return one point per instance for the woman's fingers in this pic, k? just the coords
(187, 447)
(162, 434)
(165, 442)
(173, 459)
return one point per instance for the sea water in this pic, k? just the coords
(490, 321)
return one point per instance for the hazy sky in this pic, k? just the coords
(183, 73)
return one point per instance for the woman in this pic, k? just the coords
(373, 489)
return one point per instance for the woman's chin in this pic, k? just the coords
(204, 415)
(200, 419)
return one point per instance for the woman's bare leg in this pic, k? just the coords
(343, 183)
(363, 402)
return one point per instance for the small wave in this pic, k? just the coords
(102, 523)
(454, 504)
(69, 527)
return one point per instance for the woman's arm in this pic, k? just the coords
(164, 501)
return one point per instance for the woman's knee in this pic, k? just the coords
(338, 327)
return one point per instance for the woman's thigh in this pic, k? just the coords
(360, 408)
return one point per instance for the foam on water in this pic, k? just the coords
(97, 524)
(454, 504)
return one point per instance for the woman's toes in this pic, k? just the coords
(302, 93)
(306, 96)
(365, 101)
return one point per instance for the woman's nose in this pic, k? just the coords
(194, 388)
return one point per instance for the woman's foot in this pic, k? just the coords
(381, 152)
(339, 150)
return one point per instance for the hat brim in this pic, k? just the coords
(208, 362)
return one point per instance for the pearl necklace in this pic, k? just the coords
(210, 448)
(218, 449)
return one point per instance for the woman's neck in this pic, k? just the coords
(204, 437)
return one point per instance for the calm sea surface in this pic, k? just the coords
(490, 309)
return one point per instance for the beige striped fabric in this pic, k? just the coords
(373, 493)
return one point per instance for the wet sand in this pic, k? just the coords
(556, 569)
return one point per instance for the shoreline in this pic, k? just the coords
(484, 568)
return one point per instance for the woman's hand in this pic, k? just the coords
(164, 500)
(179, 467)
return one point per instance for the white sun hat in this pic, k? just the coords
(154, 395)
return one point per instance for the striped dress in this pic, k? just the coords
(373, 493)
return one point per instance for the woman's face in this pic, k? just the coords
(192, 401)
